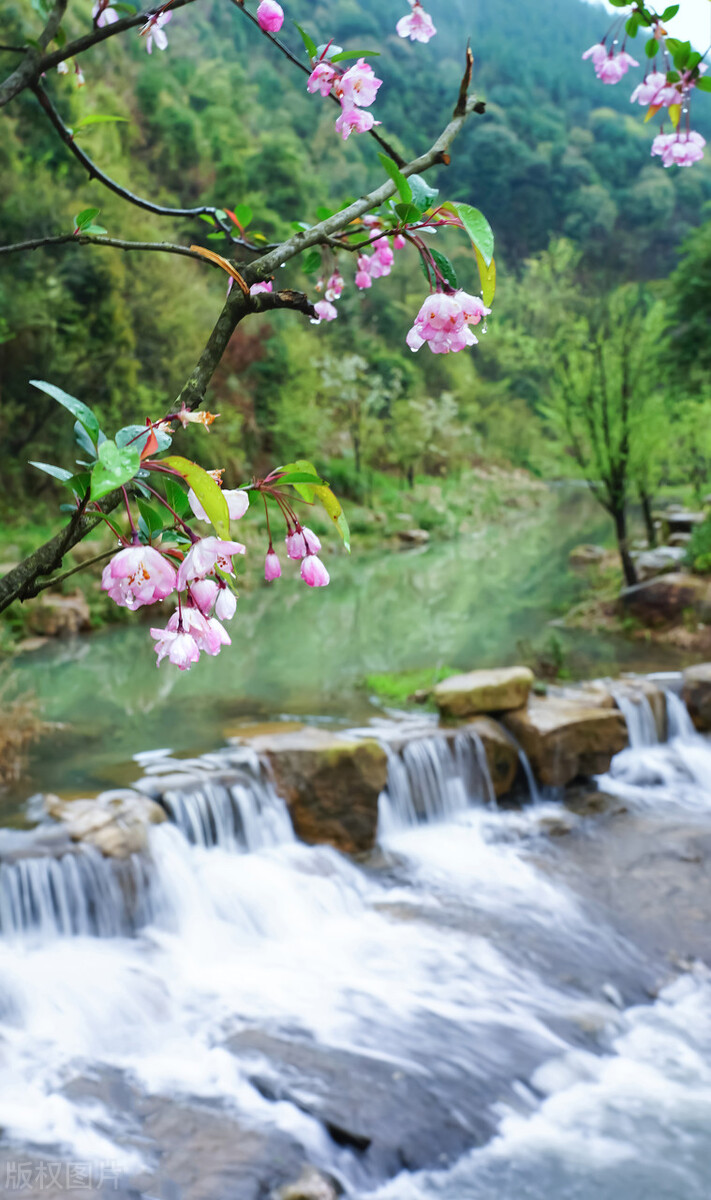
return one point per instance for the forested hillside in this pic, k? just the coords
(214, 119)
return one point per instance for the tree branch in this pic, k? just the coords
(86, 239)
(95, 172)
(21, 582)
(30, 67)
(293, 58)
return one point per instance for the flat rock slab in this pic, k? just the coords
(564, 739)
(484, 692)
(697, 695)
(116, 823)
(330, 782)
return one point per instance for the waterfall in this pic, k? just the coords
(82, 894)
(433, 778)
(639, 718)
(679, 723)
(236, 809)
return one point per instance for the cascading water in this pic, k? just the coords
(639, 718)
(437, 1023)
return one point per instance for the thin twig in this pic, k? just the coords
(95, 172)
(87, 239)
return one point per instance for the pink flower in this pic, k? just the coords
(237, 504)
(103, 13)
(272, 566)
(226, 604)
(181, 649)
(138, 575)
(399, 242)
(202, 558)
(655, 90)
(313, 572)
(679, 149)
(610, 67)
(358, 86)
(204, 593)
(321, 79)
(443, 321)
(418, 25)
(335, 286)
(270, 16)
(311, 541)
(295, 544)
(383, 253)
(362, 279)
(325, 312)
(354, 120)
(256, 288)
(154, 28)
(207, 633)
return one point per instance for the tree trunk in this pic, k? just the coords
(620, 518)
(646, 502)
(356, 452)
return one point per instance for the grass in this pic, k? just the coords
(397, 687)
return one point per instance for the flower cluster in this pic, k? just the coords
(444, 322)
(141, 575)
(355, 88)
(658, 91)
(418, 25)
(303, 545)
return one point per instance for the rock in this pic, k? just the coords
(679, 539)
(413, 537)
(696, 693)
(331, 783)
(312, 1184)
(116, 823)
(484, 692)
(665, 599)
(53, 615)
(679, 520)
(637, 687)
(586, 555)
(659, 561)
(564, 739)
(29, 644)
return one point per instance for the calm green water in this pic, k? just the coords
(304, 653)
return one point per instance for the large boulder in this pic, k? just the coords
(53, 615)
(116, 823)
(331, 783)
(484, 692)
(665, 600)
(697, 695)
(565, 738)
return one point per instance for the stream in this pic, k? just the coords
(497, 1003)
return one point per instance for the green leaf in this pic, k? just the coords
(129, 9)
(487, 275)
(445, 267)
(55, 472)
(323, 213)
(79, 484)
(94, 229)
(206, 217)
(632, 25)
(344, 54)
(426, 267)
(321, 492)
(408, 214)
(138, 435)
(154, 517)
(60, 37)
(116, 465)
(97, 119)
(651, 47)
(85, 217)
(311, 48)
(669, 12)
(177, 497)
(310, 261)
(478, 228)
(423, 196)
(703, 83)
(294, 477)
(243, 214)
(207, 491)
(217, 234)
(77, 408)
(398, 179)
